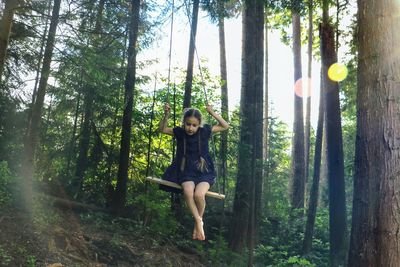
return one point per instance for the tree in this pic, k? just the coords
(251, 128)
(224, 91)
(88, 102)
(264, 186)
(192, 47)
(374, 234)
(308, 92)
(298, 163)
(336, 185)
(10, 7)
(34, 124)
(218, 11)
(314, 191)
(122, 179)
(39, 63)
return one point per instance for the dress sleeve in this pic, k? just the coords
(207, 130)
(178, 132)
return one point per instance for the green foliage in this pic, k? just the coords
(5, 258)
(44, 214)
(216, 10)
(153, 209)
(5, 182)
(215, 252)
(320, 246)
(11, 128)
(281, 236)
(31, 261)
(20, 253)
(278, 169)
(218, 254)
(282, 242)
(298, 262)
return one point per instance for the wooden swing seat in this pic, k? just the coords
(174, 185)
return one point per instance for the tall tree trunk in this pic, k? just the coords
(192, 47)
(71, 150)
(224, 95)
(375, 227)
(111, 160)
(39, 64)
(84, 141)
(251, 130)
(259, 127)
(122, 179)
(89, 95)
(323, 201)
(314, 192)
(297, 188)
(266, 104)
(308, 92)
(336, 185)
(265, 120)
(5, 28)
(34, 125)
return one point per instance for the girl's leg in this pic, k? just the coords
(188, 192)
(200, 200)
(200, 196)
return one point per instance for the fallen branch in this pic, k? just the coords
(64, 203)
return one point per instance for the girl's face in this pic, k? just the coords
(192, 125)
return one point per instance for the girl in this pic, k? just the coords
(192, 167)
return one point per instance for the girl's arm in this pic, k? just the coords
(222, 124)
(162, 127)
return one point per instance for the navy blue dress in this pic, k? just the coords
(196, 147)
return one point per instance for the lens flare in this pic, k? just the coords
(337, 72)
(303, 87)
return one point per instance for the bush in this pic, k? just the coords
(5, 182)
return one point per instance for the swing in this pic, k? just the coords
(158, 180)
(175, 185)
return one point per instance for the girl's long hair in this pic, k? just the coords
(201, 164)
(192, 112)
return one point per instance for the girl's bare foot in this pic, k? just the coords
(199, 230)
(194, 235)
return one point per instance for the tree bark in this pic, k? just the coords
(266, 104)
(264, 186)
(32, 137)
(314, 192)
(250, 150)
(308, 92)
(375, 226)
(298, 163)
(223, 148)
(5, 28)
(130, 79)
(192, 47)
(84, 141)
(39, 64)
(224, 96)
(71, 149)
(336, 184)
(89, 96)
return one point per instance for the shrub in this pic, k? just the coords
(5, 182)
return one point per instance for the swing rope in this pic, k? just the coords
(195, 51)
(170, 50)
(205, 94)
(160, 181)
(151, 126)
(154, 95)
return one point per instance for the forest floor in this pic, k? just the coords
(57, 237)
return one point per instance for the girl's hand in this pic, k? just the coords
(167, 108)
(209, 109)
